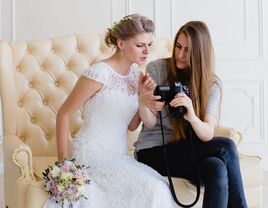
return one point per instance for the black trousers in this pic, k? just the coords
(218, 165)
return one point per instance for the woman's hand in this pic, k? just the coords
(181, 99)
(148, 107)
(204, 129)
(149, 100)
(146, 83)
(149, 103)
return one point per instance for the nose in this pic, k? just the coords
(146, 49)
(181, 53)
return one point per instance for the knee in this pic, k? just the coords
(228, 145)
(214, 173)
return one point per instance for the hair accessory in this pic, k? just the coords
(116, 24)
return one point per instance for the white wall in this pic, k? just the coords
(239, 31)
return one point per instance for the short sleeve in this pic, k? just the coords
(98, 72)
(214, 99)
(151, 69)
(157, 70)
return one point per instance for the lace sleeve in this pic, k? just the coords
(97, 72)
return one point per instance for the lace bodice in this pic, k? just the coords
(108, 113)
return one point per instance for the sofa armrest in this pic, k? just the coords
(22, 157)
(17, 158)
(13, 172)
(231, 133)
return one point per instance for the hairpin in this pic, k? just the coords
(116, 24)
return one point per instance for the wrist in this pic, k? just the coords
(141, 101)
(194, 120)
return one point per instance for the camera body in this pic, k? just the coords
(167, 93)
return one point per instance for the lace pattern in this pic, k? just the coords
(117, 180)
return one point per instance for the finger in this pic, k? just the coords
(176, 103)
(159, 106)
(147, 81)
(180, 94)
(156, 97)
(173, 101)
(142, 76)
(151, 85)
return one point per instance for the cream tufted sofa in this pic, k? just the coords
(35, 78)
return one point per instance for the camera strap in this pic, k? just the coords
(168, 171)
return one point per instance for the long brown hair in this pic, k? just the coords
(201, 68)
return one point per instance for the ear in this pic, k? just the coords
(120, 44)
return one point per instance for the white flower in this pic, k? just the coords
(67, 176)
(55, 171)
(60, 187)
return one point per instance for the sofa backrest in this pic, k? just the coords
(37, 76)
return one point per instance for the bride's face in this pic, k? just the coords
(137, 49)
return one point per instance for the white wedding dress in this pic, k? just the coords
(117, 179)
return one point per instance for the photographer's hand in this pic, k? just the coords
(148, 107)
(149, 100)
(146, 83)
(204, 128)
(181, 99)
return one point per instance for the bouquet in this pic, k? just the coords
(66, 181)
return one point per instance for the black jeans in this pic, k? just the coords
(218, 166)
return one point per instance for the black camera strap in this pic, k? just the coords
(197, 181)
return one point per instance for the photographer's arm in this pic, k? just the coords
(203, 129)
(148, 108)
(146, 100)
(83, 89)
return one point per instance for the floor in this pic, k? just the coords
(264, 194)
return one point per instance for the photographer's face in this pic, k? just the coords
(137, 49)
(181, 51)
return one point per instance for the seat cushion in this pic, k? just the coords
(251, 170)
(35, 194)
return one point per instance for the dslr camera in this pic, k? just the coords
(167, 93)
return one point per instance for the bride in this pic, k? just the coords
(109, 92)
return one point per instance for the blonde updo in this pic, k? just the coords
(128, 27)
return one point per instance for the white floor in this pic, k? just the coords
(264, 194)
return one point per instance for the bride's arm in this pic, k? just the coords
(83, 90)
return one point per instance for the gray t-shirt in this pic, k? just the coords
(151, 137)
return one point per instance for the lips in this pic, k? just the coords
(143, 58)
(180, 61)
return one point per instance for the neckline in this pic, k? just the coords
(114, 71)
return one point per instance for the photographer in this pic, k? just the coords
(192, 64)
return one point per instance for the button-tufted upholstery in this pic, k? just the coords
(35, 78)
